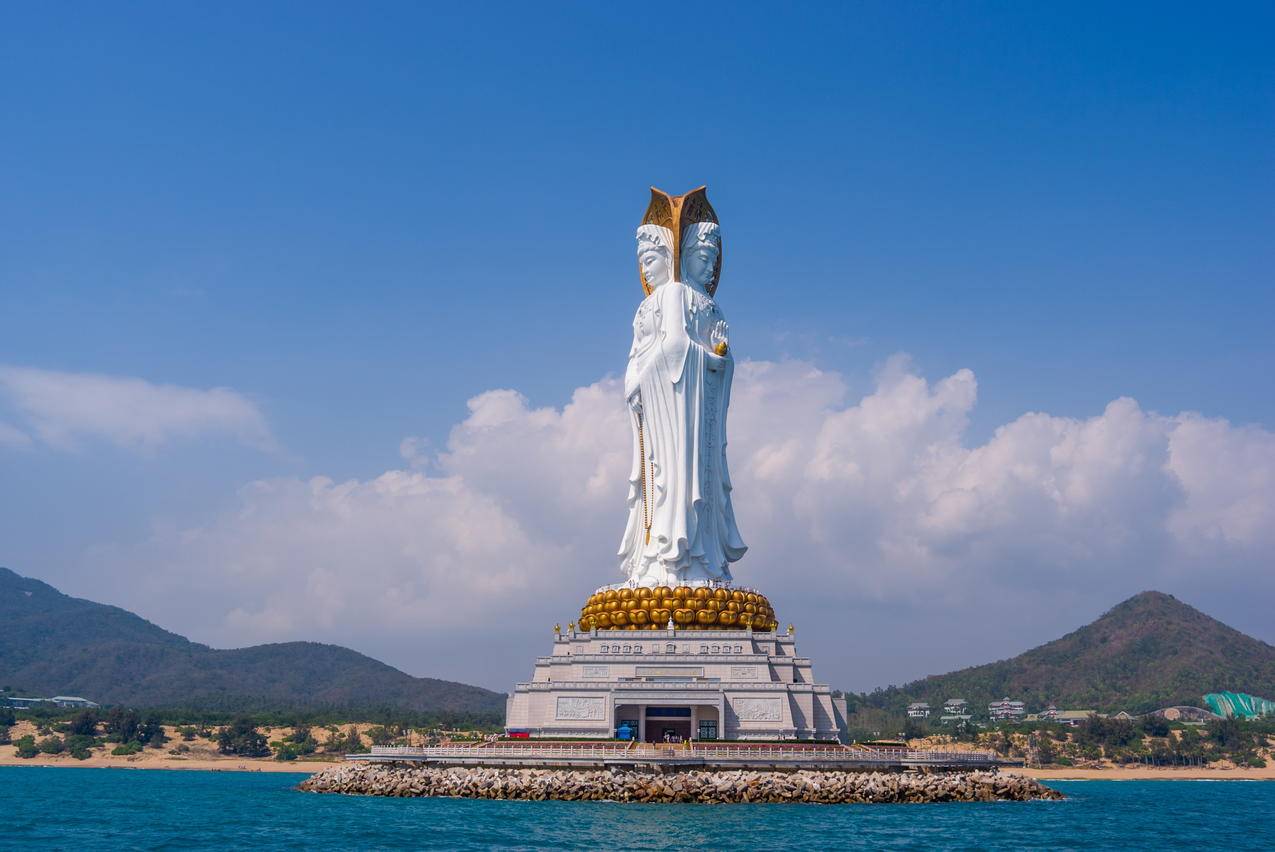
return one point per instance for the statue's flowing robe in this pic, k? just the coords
(683, 404)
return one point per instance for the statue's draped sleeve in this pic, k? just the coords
(667, 315)
(674, 311)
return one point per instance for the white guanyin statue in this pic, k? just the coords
(681, 528)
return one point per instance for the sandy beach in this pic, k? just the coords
(162, 761)
(201, 754)
(151, 759)
(230, 764)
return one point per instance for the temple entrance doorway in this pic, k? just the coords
(668, 724)
(667, 731)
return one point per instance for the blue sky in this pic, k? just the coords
(359, 219)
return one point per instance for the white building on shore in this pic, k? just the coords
(1006, 710)
(65, 701)
(955, 710)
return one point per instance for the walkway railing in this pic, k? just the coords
(753, 754)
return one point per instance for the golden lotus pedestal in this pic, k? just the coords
(699, 608)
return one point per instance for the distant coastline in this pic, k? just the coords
(159, 760)
(229, 764)
(177, 753)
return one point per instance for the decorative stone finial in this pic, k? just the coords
(791, 630)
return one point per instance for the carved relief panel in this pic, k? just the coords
(758, 709)
(581, 707)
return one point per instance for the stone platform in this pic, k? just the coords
(677, 684)
(683, 757)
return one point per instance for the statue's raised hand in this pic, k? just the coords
(717, 338)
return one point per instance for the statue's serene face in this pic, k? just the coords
(654, 262)
(698, 264)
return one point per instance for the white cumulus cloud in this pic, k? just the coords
(61, 409)
(898, 548)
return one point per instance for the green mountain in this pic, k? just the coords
(52, 644)
(1149, 652)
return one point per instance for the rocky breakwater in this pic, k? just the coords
(685, 786)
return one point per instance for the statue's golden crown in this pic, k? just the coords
(677, 212)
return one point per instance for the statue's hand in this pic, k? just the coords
(718, 338)
(635, 401)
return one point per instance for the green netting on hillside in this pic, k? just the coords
(1239, 705)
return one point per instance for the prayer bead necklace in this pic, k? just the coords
(648, 511)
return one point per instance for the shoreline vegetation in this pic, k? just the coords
(236, 764)
(126, 739)
(1108, 744)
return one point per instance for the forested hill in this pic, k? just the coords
(1148, 652)
(53, 644)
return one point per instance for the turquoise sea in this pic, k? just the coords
(81, 808)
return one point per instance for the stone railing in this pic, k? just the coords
(574, 750)
(753, 754)
(745, 658)
(671, 685)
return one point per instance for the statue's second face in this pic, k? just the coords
(654, 262)
(698, 264)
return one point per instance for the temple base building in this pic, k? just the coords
(674, 684)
